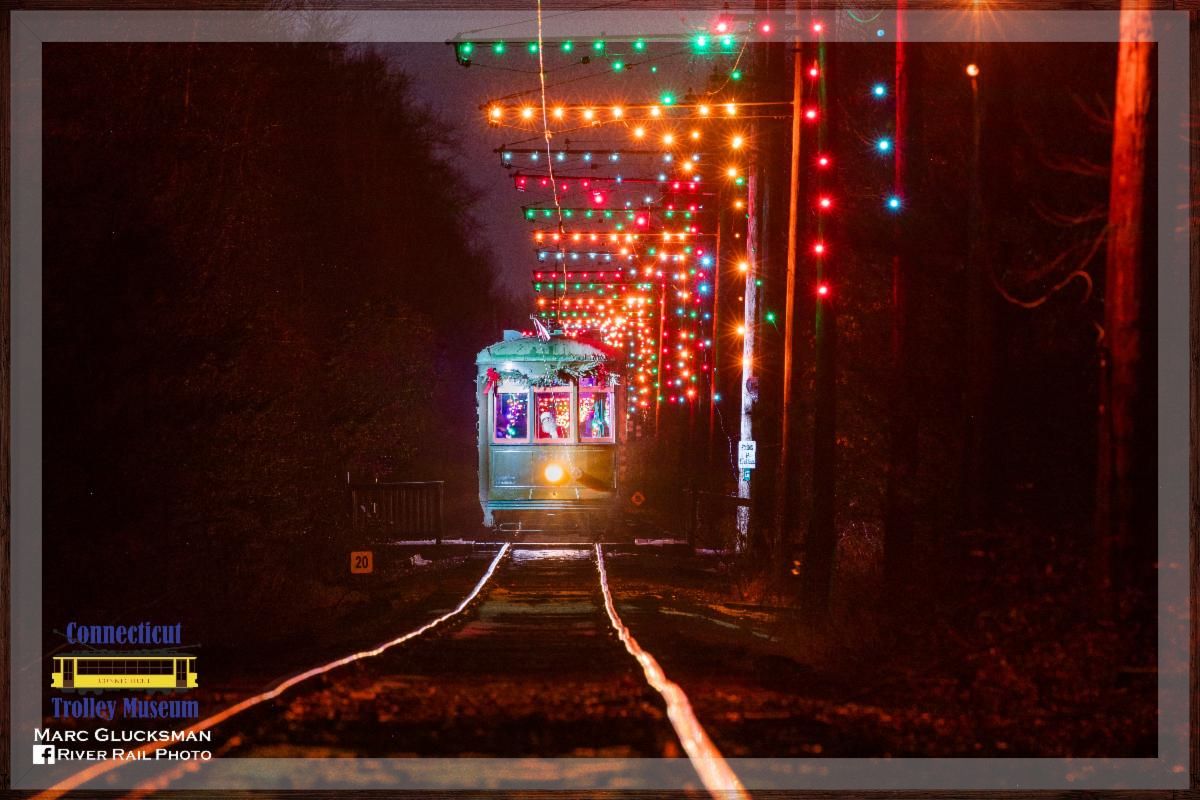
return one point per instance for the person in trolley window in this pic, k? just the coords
(550, 429)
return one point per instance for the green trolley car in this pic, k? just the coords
(550, 432)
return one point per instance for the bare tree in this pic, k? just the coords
(1119, 421)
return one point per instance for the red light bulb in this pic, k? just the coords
(823, 290)
(819, 248)
(825, 202)
(810, 113)
(823, 161)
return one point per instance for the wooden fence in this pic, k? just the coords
(409, 508)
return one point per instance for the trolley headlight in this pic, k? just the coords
(553, 472)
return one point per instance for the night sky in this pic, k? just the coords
(454, 94)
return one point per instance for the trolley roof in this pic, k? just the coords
(559, 349)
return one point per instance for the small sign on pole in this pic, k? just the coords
(362, 562)
(747, 451)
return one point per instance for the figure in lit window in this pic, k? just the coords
(593, 415)
(554, 415)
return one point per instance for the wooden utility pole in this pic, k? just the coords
(749, 381)
(1121, 416)
(773, 160)
(769, 174)
(788, 479)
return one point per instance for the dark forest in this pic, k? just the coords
(263, 281)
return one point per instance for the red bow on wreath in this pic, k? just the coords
(493, 378)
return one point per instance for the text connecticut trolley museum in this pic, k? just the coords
(550, 434)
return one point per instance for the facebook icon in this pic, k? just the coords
(43, 754)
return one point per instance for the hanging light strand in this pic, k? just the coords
(546, 126)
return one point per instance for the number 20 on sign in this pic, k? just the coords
(362, 562)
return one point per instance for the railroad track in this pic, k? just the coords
(535, 661)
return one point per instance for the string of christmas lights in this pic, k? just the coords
(646, 241)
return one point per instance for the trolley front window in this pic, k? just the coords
(553, 409)
(511, 418)
(595, 415)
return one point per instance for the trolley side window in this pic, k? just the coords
(553, 414)
(510, 418)
(595, 415)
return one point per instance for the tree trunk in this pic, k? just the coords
(820, 545)
(976, 488)
(899, 502)
(1120, 426)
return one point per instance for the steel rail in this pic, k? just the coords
(710, 765)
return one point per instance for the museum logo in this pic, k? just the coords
(97, 667)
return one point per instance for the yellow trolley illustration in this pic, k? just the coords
(95, 672)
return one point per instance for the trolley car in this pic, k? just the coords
(96, 672)
(550, 430)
